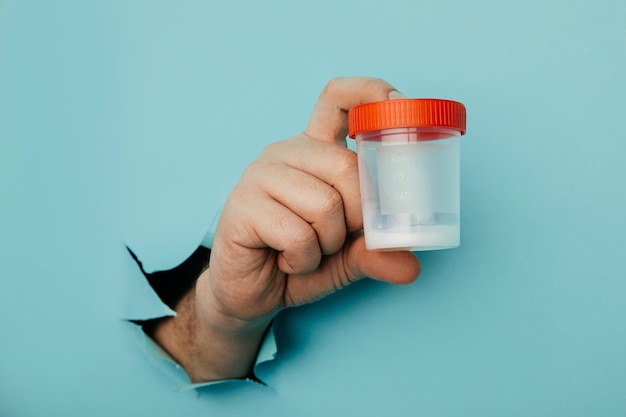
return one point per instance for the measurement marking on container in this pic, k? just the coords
(400, 159)
(402, 195)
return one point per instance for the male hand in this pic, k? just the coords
(289, 234)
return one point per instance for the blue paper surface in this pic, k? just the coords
(127, 123)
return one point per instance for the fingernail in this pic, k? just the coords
(395, 95)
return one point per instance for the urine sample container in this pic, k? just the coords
(409, 171)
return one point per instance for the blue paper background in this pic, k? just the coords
(129, 122)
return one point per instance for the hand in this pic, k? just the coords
(289, 234)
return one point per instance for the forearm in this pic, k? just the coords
(208, 346)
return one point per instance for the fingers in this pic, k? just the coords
(330, 163)
(276, 226)
(288, 209)
(329, 120)
(351, 264)
(313, 200)
(397, 267)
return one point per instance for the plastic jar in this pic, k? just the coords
(409, 170)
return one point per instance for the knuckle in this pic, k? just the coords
(347, 163)
(303, 239)
(250, 171)
(250, 177)
(373, 84)
(332, 85)
(331, 203)
(303, 254)
(271, 150)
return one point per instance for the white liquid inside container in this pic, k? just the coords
(423, 238)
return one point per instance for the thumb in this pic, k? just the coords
(329, 120)
(352, 263)
(395, 267)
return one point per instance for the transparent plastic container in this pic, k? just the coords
(409, 169)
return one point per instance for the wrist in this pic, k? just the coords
(207, 343)
(220, 318)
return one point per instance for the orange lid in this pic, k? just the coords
(412, 112)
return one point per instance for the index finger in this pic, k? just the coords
(329, 120)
